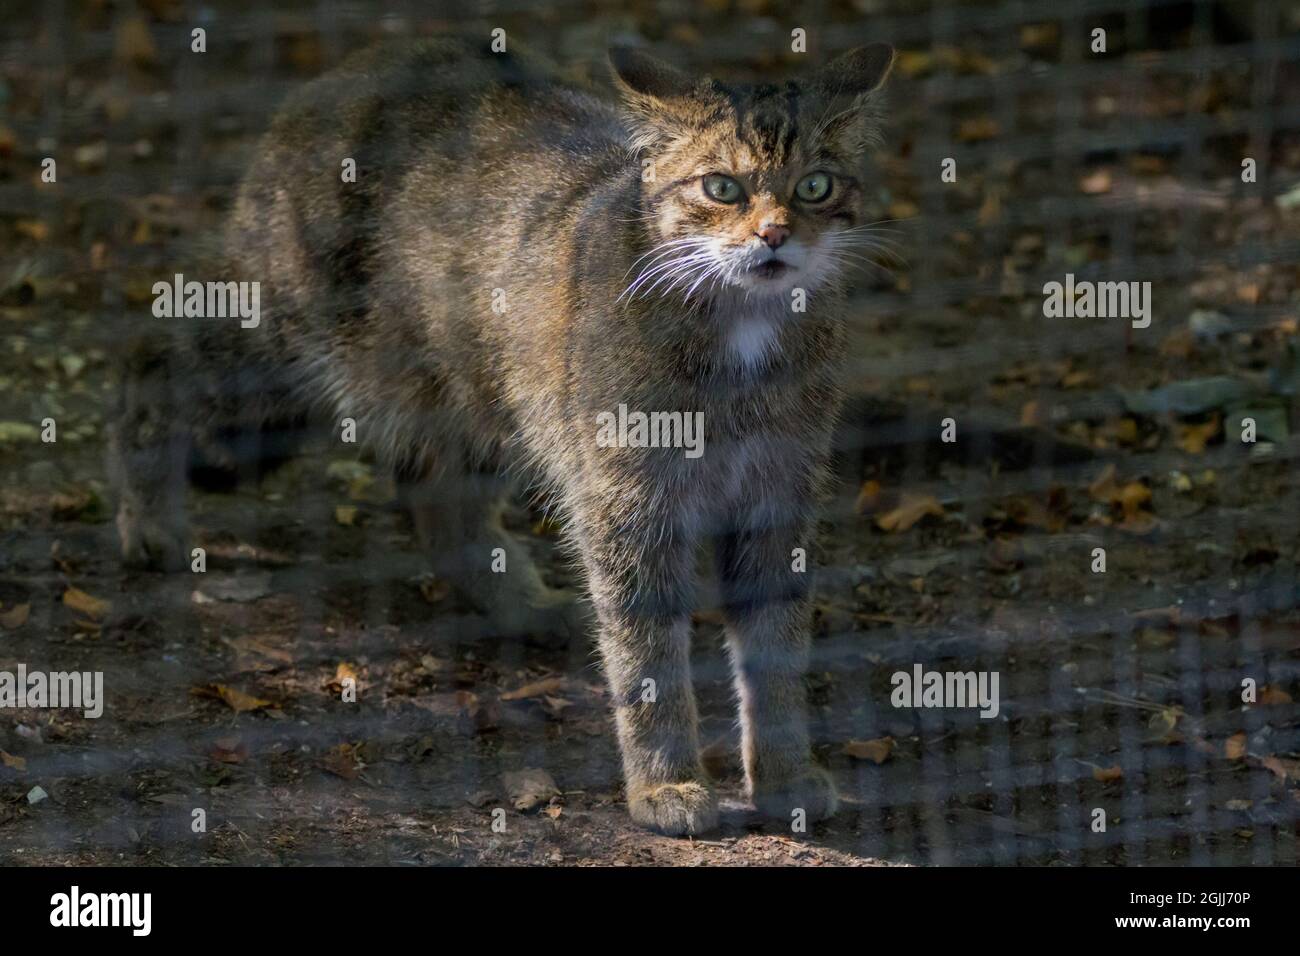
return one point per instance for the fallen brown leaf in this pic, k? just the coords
(228, 750)
(1270, 695)
(1164, 722)
(910, 510)
(555, 706)
(344, 671)
(15, 617)
(540, 688)
(1130, 499)
(133, 43)
(12, 762)
(1193, 438)
(474, 716)
(343, 761)
(876, 750)
(79, 600)
(1096, 183)
(530, 787)
(978, 128)
(434, 590)
(1284, 767)
(236, 700)
(1107, 774)
(868, 497)
(1234, 748)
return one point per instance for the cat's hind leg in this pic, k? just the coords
(149, 442)
(457, 509)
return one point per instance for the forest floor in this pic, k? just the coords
(1120, 690)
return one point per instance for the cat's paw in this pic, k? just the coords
(149, 544)
(552, 615)
(674, 809)
(812, 791)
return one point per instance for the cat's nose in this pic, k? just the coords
(773, 235)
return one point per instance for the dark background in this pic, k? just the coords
(1120, 691)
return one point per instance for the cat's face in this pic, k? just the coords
(753, 188)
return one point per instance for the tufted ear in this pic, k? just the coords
(860, 71)
(640, 75)
(662, 102)
(848, 83)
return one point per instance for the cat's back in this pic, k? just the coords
(466, 134)
(399, 105)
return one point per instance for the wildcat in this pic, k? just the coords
(515, 258)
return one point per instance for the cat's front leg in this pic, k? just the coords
(640, 565)
(766, 607)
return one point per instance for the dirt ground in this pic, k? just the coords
(1120, 690)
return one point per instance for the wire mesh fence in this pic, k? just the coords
(1144, 712)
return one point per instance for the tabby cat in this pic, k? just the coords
(517, 261)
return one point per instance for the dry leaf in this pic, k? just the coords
(253, 652)
(555, 706)
(528, 788)
(12, 762)
(1096, 183)
(1164, 721)
(1103, 486)
(15, 617)
(977, 129)
(434, 590)
(1273, 695)
(910, 510)
(237, 700)
(228, 750)
(877, 750)
(540, 688)
(1132, 497)
(32, 229)
(343, 761)
(868, 497)
(1193, 438)
(1285, 768)
(133, 43)
(79, 600)
(1107, 774)
(1235, 747)
(346, 515)
(1031, 512)
(474, 717)
(344, 671)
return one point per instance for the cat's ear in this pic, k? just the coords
(642, 76)
(858, 72)
(662, 102)
(848, 84)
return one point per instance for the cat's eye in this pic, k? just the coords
(814, 187)
(722, 188)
